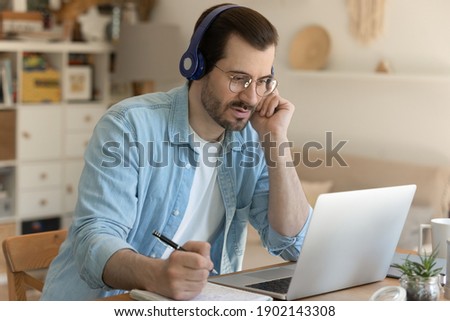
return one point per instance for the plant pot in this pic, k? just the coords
(421, 288)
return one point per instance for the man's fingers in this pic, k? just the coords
(202, 248)
(202, 259)
(187, 271)
(196, 257)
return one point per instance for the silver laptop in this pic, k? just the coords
(351, 241)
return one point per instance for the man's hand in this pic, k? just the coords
(185, 273)
(273, 115)
(181, 277)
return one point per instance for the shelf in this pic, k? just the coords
(7, 163)
(343, 75)
(4, 107)
(88, 103)
(7, 220)
(48, 131)
(57, 47)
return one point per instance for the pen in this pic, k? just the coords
(173, 245)
(168, 241)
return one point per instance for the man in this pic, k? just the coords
(197, 164)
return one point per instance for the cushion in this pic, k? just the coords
(433, 181)
(313, 189)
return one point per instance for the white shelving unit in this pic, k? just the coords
(50, 137)
(370, 76)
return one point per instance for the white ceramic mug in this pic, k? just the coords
(447, 275)
(440, 233)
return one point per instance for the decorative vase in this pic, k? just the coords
(421, 288)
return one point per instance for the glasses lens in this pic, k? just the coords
(239, 83)
(267, 87)
(264, 87)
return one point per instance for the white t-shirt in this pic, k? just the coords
(205, 209)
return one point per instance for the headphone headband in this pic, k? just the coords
(192, 64)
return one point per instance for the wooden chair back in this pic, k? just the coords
(26, 253)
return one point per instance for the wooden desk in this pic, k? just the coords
(358, 293)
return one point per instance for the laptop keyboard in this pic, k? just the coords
(278, 285)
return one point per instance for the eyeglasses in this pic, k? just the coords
(240, 82)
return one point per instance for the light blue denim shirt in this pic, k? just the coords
(139, 168)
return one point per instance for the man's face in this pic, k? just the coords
(230, 110)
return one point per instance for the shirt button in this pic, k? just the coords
(176, 212)
(188, 166)
(153, 255)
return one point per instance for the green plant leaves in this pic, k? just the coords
(424, 268)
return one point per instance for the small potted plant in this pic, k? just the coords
(420, 279)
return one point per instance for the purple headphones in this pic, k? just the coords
(192, 63)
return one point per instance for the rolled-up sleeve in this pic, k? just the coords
(106, 209)
(287, 247)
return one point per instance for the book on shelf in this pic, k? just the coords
(7, 91)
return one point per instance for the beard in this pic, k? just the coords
(213, 106)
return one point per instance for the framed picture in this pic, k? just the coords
(78, 83)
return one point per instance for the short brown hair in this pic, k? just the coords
(247, 23)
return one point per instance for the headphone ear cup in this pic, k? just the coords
(200, 70)
(188, 65)
(192, 63)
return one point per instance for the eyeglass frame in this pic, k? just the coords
(232, 75)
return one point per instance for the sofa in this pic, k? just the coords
(432, 198)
